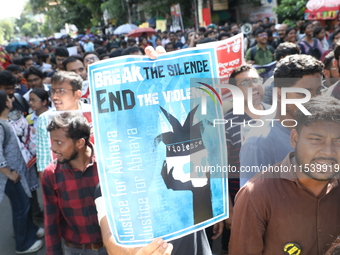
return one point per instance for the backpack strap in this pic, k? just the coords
(252, 53)
(6, 131)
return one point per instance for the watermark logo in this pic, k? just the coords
(238, 100)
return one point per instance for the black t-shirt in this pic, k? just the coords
(193, 244)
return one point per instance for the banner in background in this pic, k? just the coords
(176, 15)
(229, 56)
(160, 158)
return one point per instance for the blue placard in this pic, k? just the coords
(160, 157)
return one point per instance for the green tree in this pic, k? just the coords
(82, 13)
(6, 30)
(291, 11)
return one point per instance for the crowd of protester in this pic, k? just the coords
(45, 78)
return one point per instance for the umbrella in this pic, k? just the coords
(13, 46)
(141, 30)
(124, 29)
(79, 36)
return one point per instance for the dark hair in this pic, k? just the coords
(327, 61)
(290, 29)
(17, 61)
(322, 108)
(25, 59)
(62, 52)
(14, 68)
(71, 60)
(224, 34)
(284, 49)
(99, 51)
(238, 70)
(202, 30)
(169, 43)
(42, 94)
(337, 51)
(102, 56)
(91, 52)
(33, 70)
(74, 124)
(206, 34)
(206, 40)
(7, 78)
(3, 100)
(130, 50)
(305, 25)
(317, 30)
(74, 79)
(259, 31)
(295, 67)
(334, 34)
(116, 53)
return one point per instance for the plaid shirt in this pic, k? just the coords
(70, 211)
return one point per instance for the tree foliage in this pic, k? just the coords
(82, 13)
(6, 30)
(291, 11)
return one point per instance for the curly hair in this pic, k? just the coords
(284, 49)
(238, 70)
(322, 108)
(295, 67)
(74, 124)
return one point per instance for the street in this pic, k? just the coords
(7, 242)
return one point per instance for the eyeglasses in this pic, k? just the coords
(33, 80)
(93, 59)
(253, 81)
(34, 100)
(59, 59)
(262, 35)
(59, 92)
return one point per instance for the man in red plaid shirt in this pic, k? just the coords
(68, 189)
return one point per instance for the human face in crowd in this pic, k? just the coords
(291, 36)
(310, 82)
(9, 89)
(35, 102)
(64, 97)
(336, 38)
(18, 75)
(172, 38)
(29, 63)
(212, 35)
(158, 41)
(250, 79)
(34, 81)
(234, 29)
(262, 38)
(78, 68)
(64, 147)
(89, 59)
(59, 61)
(169, 48)
(282, 31)
(317, 147)
(321, 35)
(309, 30)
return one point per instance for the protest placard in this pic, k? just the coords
(161, 160)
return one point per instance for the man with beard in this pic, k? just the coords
(69, 186)
(281, 31)
(293, 207)
(269, 144)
